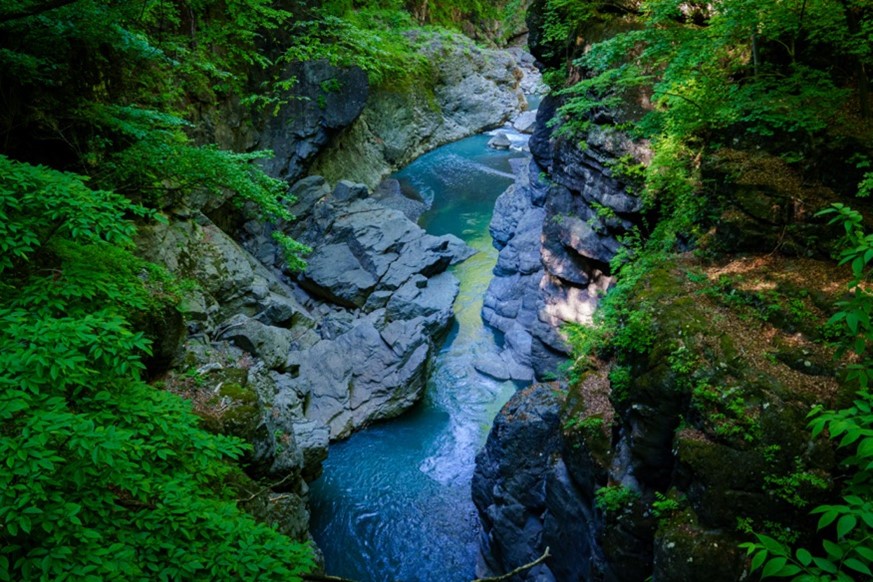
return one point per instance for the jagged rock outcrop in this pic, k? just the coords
(471, 89)
(325, 100)
(525, 498)
(557, 229)
(350, 344)
(377, 281)
(699, 418)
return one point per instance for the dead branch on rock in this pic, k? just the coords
(518, 570)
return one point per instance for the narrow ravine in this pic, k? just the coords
(394, 500)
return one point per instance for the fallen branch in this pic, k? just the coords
(518, 570)
(267, 489)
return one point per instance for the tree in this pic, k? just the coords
(104, 476)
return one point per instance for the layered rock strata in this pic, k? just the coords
(557, 228)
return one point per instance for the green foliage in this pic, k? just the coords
(378, 41)
(846, 529)
(587, 424)
(292, 250)
(726, 412)
(108, 87)
(794, 486)
(615, 498)
(727, 63)
(663, 506)
(104, 476)
(620, 382)
(562, 19)
(854, 313)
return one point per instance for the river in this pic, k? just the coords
(394, 501)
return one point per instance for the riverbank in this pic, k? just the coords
(398, 487)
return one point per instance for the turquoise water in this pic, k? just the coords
(394, 502)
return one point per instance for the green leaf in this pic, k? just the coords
(825, 565)
(846, 524)
(773, 566)
(772, 545)
(833, 550)
(804, 557)
(858, 566)
(827, 518)
(788, 570)
(758, 560)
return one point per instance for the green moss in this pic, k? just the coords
(238, 392)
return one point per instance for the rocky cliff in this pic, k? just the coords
(470, 89)
(659, 463)
(290, 361)
(557, 228)
(658, 458)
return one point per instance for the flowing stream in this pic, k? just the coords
(394, 502)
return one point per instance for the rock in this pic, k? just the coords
(333, 272)
(346, 190)
(532, 80)
(389, 194)
(306, 193)
(503, 366)
(509, 482)
(429, 299)
(368, 251)
(270, 344)
(473, 89)
(305, 123)
(287, 426)
(312, 439)
(283, 311)
(525, 122)
(377, 284)
(500, 141)
(357, 378)
(230, 280)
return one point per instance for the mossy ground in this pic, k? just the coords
(740, 351)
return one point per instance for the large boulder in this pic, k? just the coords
(358, 378)
(229, 280)
(525, 498)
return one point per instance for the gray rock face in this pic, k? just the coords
(358, 378)
(307, 122)
(336, 274)
(534, 489)
(472, 89)
(230, 281)
(557, 240)
(371, 364)
(525, 496)
(376, 283)
(389, 194)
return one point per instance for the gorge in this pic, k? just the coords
(310, 289)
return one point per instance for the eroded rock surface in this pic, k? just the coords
(472, 89)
